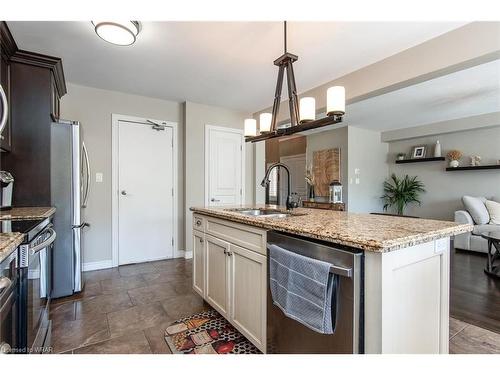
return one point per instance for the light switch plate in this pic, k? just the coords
(98, 177)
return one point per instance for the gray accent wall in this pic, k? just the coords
(445, 189)
(93, 108)
(367, 170)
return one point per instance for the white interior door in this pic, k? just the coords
(224, 166)
(145, 193)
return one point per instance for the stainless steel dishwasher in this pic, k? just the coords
(285, 335)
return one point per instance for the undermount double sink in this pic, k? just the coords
(262, 212)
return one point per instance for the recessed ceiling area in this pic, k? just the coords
(227, 64)
(469, 92)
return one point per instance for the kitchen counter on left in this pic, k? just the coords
(27, 213)
(9, 243)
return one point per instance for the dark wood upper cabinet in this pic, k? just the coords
(6, 49)
(36, 84)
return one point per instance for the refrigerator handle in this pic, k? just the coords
(87, 167)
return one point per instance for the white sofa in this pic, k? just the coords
(475, 213)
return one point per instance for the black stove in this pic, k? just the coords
(29, 227)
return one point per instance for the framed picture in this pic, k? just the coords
(419, 152)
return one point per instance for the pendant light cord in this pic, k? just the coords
(285, 33)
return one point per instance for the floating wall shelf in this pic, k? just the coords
(419, 160)
(470, 168)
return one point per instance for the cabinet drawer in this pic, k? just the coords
(239, 234)
(198, 223)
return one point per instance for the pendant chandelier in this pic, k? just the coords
(303, 113)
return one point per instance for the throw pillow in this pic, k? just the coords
(477, 209)
(494, 211)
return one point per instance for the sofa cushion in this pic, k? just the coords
(478, 229)
(477, 209)
(494, 211)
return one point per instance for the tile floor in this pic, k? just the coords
(126, 310)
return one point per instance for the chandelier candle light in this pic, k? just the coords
(303, 113)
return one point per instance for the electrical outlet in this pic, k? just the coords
(98, 177)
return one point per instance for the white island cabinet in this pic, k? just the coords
(405, 286)
(407, 299)
(230, 273)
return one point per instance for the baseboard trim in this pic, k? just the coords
(188, 254)
(92, 266)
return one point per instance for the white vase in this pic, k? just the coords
(454, 163)
(437, 150)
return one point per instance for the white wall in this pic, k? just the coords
(445, 189)
(196, 117)
(367, 154)
(93, 108)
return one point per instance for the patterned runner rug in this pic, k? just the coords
(207, 333)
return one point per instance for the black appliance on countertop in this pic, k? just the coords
(34, 283)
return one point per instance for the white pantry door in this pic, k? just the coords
(145, 193)
(224, 166)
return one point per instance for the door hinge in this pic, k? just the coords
(241, 192)
(172, 192)
(172, 241)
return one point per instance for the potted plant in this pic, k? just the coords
(399, 192)
(454, 156)
(401, 156)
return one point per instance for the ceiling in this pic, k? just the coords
(226, 64)
(465, 93)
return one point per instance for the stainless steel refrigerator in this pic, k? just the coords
(70, 184)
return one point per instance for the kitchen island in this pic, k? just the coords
(405, 277)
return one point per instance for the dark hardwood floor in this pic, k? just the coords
(475, 297)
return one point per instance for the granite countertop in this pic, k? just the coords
(27, 213)
(378, 233)
(8, 243)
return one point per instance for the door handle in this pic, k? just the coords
(82, 225)
(215, 200)
(123, 192)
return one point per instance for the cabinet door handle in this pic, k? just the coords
(215, 200)
(225, 251)
(229, 253)
(201, 240)
(198, 222)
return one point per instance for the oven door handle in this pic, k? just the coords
(35, 249)
(5, 284)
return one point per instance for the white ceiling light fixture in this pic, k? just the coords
(121, 33)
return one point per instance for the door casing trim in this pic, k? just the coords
(115, 118)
